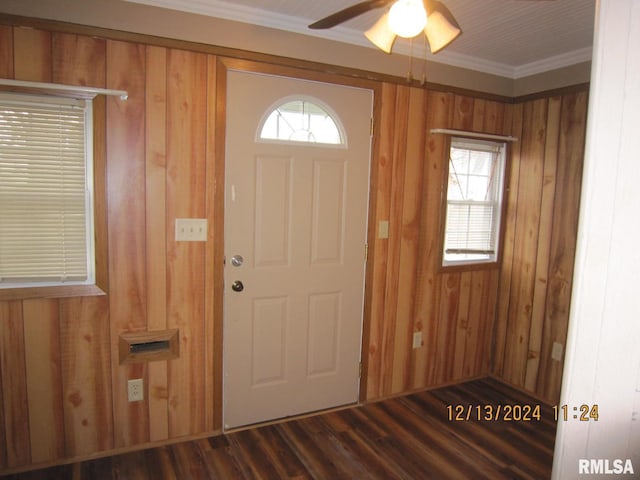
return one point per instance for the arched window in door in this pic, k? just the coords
(302, 120)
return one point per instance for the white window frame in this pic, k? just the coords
(28, 281)
(296, 141)
(466, 255)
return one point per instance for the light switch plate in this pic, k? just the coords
(417, 339)
(191, 229)
(556, 352)
(383, 229)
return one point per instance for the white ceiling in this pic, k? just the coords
(512, 38)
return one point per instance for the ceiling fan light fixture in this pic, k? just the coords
(442, 28)
(381, 35)
(407, 18)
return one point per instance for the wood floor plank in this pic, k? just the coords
(288, 463)
(409, 437)
(220, 462)
(160, 464)
(256, 455)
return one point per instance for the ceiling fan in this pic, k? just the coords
(405, 18)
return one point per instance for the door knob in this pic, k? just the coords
(237, 286)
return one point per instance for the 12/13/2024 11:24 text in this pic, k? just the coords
(520, 413)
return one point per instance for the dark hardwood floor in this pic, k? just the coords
(410, 437)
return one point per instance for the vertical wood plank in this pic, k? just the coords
(156, 231)
(14, 386)
(6, 51)
(86, 375)
(213, 255)
(544, 241)
(463, 330)
(493, 119)
(78, 60)
(384, 166)
(409, 238)
(482, 290)
(100, 225)
(390, 330)
(516, 120)
(218, 150)
(439, 111)
(495, 345)
(186, 119)
(479, 111)
(488, 305)
(526, 239)
(448, 311)
(126, 218)
(44, 379)
(463, 112)
(3, 430)
(32, 55)
(563, 239)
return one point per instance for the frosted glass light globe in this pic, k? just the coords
(407, 18)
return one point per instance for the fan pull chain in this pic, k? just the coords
(410, 74)
(423, 81)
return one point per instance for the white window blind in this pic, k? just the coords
(474, 196)
(46, 227)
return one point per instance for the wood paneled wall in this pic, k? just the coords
(63, 392)
(454, 311)
(539, 249)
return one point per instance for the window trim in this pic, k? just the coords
(101, 280)
(302, 98)
(472, 264)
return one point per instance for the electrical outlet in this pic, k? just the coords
(135, 389)
(191, 229)
(556, 352)
(417, 339)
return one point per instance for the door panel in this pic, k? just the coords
(327, 235)
(297, 214)
(268, 340)
(273, 207)
(324, 328)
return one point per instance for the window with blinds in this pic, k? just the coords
(46, 202)
(474, 201)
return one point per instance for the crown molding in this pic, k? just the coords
(241, 13)
(552, 63)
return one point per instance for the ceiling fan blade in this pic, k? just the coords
(349, 13)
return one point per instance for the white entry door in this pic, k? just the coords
(295, 235)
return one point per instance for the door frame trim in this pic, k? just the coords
(216, 198)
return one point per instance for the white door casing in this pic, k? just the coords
(297, 214)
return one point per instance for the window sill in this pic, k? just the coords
(469, 267)
(50, 292)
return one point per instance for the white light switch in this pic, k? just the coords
(417, 339)
(191, 229)
(383, 229)
(556, 351)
